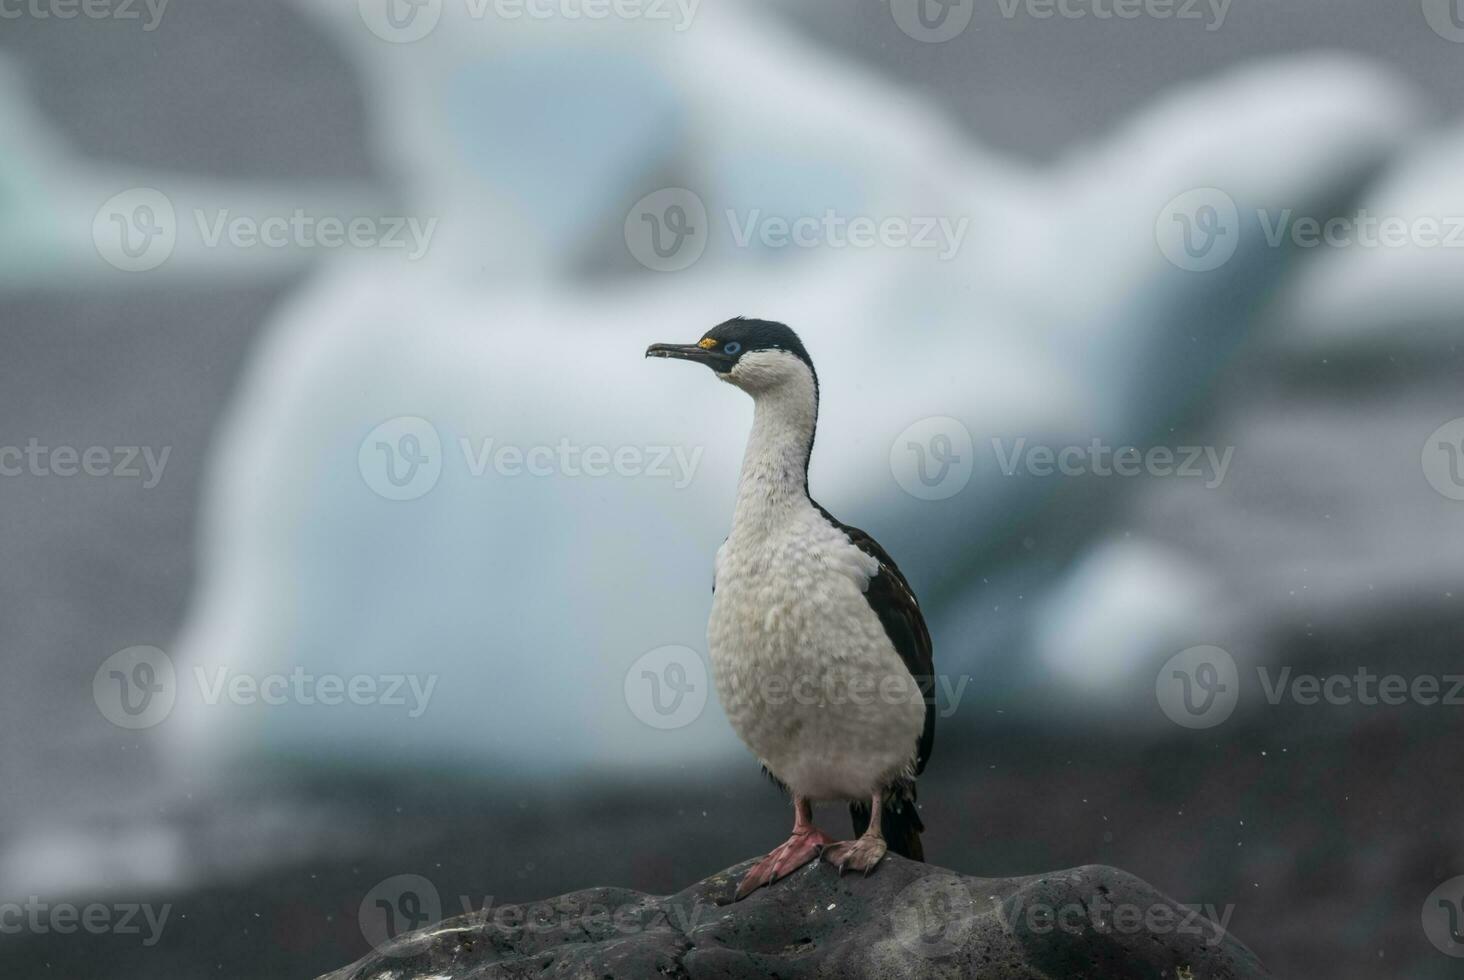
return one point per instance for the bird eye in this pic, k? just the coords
(733, 347)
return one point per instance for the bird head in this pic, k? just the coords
(755, 355)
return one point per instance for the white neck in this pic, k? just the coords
(774, 482)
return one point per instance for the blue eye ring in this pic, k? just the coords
(732, 347)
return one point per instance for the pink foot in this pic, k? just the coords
(855, 855)
(785, 859)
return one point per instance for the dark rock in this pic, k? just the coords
(907, 920)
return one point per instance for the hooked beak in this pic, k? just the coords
(717, 361)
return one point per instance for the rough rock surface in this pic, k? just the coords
(907, 920)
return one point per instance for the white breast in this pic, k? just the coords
(805, 671)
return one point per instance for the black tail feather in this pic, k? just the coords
(900, 823)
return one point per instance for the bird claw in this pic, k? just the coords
(783, 860)
(856, 855)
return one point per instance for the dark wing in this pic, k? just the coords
(893, 601)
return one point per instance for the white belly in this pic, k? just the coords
(803, 667)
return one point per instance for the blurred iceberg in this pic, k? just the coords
(1400, 286)
(529, 598)
(74, 223)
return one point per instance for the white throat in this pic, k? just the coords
(774, 482)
